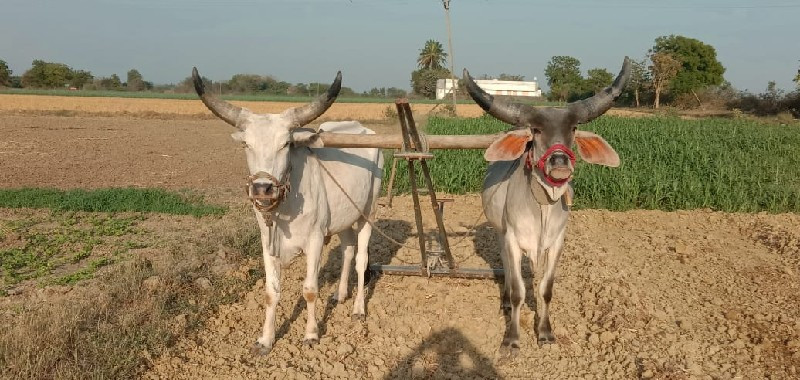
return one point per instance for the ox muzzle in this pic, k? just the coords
(556, 164)
(266, 193)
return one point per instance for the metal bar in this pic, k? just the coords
(412, 128)
(342, 140)
(412, 177)
(408, 270)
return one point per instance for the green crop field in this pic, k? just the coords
(667, 163)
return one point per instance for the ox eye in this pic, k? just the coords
(537, 131)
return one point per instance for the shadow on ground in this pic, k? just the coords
(445, 354)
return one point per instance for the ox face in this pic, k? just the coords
(268, 138)
(546, 134)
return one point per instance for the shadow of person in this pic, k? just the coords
(444, 354)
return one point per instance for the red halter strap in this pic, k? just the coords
(543, 160)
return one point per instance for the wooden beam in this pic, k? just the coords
(341, 140)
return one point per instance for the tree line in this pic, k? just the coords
(55, 75)
(679, 71)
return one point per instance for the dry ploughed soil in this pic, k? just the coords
(639, 294)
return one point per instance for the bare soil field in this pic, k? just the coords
(640, 294)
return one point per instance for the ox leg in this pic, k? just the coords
(272, 286)
(362, 258)
(310, 288)
(513, 272)
(347, 236)
(505, 302)
(543, 328)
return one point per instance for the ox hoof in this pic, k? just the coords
(546, 338)
(359, 317)
(258, 349)
(509, 350)
(310, 341)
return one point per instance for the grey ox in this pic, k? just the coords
(297, 204)
(529, 172)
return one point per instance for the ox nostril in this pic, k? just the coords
(559, 159)
(262, 188)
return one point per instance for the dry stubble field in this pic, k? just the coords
(640, 294)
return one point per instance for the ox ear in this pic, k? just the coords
(595, 150)
(306, 137)
(508, 147)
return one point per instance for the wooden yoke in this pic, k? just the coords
(338, 140)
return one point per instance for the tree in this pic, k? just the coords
(135, 81)
(511, 77)
(563, 76)
(47, 75)
(80, 78)
(394, 93)
(432, 56)
(5, 74)
(663, 70)
(797, 78)
(423, 81)
(376, 92)
(639, 79)
(700, 67)
(597, 80)
(54, 75)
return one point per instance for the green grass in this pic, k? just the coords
(39, 247)
(108, 200)
(667, 164)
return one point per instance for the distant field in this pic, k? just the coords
(248, 98)
(191, 106)
(187, 105)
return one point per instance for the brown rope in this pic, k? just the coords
(366, 218)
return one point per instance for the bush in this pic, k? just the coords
(711, 98)
(770, 103)
(791, 103)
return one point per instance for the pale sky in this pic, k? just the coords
(375, 42)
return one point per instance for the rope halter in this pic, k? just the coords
(266, 202)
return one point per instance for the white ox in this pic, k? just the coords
(297, 204)
(529, 172)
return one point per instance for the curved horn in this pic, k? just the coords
(305, 114)
(510, 113)
(587, 109)
(224, 110)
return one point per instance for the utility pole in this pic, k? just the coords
(446, 4)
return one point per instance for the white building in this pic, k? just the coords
(444, 87)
